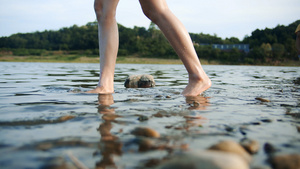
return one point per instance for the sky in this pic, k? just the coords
(230, 18)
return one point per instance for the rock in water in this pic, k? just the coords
(145, 132)
(205, 160)
(288, 161)
(252, 146)
(232, 147)
(139, 81)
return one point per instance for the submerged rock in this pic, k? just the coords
(146, 132)
(232, 147)
(297, 81)
(289, 161)
(139, 81)
(251, 146)
(205, 160)
(269, 148)
(262, 99)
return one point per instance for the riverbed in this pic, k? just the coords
(47, 119)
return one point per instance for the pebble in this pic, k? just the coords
(251, 146)
(287, 161)
(65, 118)
(266, 120)
(205, 160)
(269, 148)
(297, 81)
(145, 132)
(262, 99)
(232, 147)
(58, 163)
(143, 118)
(139, 81)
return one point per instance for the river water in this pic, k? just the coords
(46, 119)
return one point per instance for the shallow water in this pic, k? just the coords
(46, 119)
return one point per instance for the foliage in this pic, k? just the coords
(268, 45)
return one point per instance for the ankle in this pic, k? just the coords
(198, 77)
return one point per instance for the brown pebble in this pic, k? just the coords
(146, 132)
(298, 128)
(262, 99)
(289, 161)
(251, 146)
(232, 147)
(158, 114)
(145, 145)
(204, 160)
(65, 118)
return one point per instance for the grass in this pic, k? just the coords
(76, 58)
(85, 59)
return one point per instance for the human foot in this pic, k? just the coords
(196, 87)
(101, 90)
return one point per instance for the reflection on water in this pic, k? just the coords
(109, 144)
(45, 114)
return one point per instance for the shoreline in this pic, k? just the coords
(122, 60)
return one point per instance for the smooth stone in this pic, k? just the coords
(145, 132)
(139, 81)
(232, 147)
(262, 99)
(65, 118)
(252, 146)
(288, 161)
(205, 160)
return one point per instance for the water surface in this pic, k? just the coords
(45, 117)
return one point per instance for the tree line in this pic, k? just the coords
(266, 46)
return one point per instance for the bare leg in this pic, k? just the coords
(177, 35)
(108, 44)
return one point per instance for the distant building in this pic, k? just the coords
(242, 47)
(227, 47)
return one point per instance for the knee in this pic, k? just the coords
(155, 14)
(103, 14)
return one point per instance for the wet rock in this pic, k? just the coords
(243, 129)
(145, 145)
(143, 118)
(65, 118)
(158, 114)
(232, 147)
(205, 160)
(298, 129)
(266, 120)
(295, 115)
(229, 128)
(297, 81)
(139, 81)
(57, 163)
(145, 132)
(262, 99)
(269, 148)
(256, 123)
(251, 146)
(290, 161)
